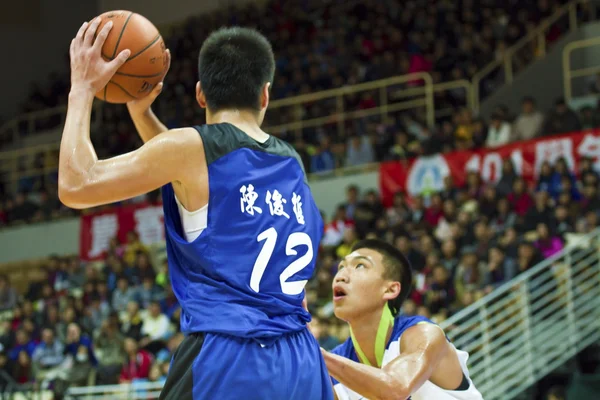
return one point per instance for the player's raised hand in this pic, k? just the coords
(142, 105)
(89, 71)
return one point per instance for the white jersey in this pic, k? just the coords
(428, 391)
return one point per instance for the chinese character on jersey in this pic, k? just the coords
(276, 202)
(296, 201)
(249, 197)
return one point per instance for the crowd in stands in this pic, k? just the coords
(117, 321)
(322, 45)
(396, 138)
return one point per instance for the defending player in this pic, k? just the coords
(389, 356)
(242, 228)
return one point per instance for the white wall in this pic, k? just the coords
(62, 237)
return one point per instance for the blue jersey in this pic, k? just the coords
(245, 274)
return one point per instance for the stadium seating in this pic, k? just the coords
(463, 241)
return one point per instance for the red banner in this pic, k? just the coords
(426, 174)
(97, 229)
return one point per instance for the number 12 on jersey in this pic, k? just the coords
(262, 261)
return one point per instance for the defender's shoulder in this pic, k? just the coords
(402, 323)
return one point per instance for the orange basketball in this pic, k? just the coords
(147, 63)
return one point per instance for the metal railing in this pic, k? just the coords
(15, 165)
(392, 93)
(505, 65)
(414, 91)
(531, 325)
(145, 390)
(515, 335)
(26, 124)
(569, 73)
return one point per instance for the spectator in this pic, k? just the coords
(416, 259)
(22, 371)
(48, 358)
(155, 324)
(564, 223)
(545, 182)
(540, 212)
(8, 294)
(23, 209)
(320, 328)
(81, 354)
(547, 244)
(352, 194)
(132, 321)
(334, 230)
(137, 362)
(499, 132)
(504, 217)
(134, 247)
(469, 273)
(507, 180)
(441, 292)
(528, 124)
(122, 295)
(561, 120)
(23, 343)
(500, 269)
(359, 151)
(519, 199)
(148, 292)
(108, 345)
(323, 160)
(588, 118)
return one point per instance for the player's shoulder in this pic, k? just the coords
(222, 139)
(403, 322)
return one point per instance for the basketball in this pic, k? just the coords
(147, 63)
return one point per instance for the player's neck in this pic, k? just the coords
(365, 330)
(245, 121)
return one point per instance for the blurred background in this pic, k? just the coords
(464, 132)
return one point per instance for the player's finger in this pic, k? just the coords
(80, 33)
(157, 89)
(101, 37)
(120, 59)
(72, 49)
(91, 32)
(168, 55)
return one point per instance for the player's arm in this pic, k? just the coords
(423, 347)
(146, 122)
(85, 181)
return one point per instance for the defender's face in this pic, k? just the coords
(359, 287)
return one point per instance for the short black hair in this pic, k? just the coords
(396, 265)
(233, 67)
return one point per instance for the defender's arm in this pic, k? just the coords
(423, 347)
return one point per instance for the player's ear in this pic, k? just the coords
(392, 291)
(200, 98)
(264, 97)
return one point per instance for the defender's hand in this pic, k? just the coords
(89, 71)
(143, 105)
